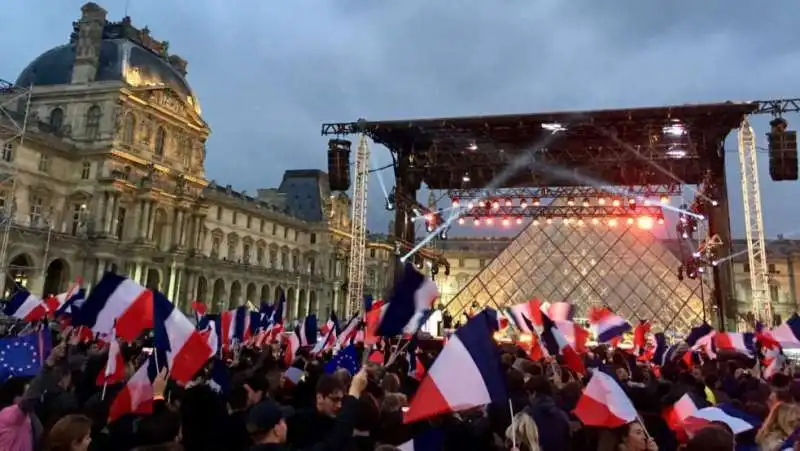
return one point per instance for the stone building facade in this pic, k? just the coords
(109, 175)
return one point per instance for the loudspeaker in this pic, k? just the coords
(782, 155)
(339, 164)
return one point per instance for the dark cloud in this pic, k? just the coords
(269, 73)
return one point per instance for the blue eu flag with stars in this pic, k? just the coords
(347, 358)
(24, 355)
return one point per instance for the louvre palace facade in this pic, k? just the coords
(103, 149)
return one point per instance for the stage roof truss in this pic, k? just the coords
(564, 211)
(612, 146)
(576, 192)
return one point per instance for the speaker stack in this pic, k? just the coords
(782, 151)
(339, 164)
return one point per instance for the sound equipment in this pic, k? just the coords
(782, 154)
(339, 164)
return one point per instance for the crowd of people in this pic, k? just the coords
(261, 408)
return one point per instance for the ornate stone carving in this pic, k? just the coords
(146, 130)
(167, 99)
(180, 185)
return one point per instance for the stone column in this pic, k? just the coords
(336, 299)
(198, 232)
(113, 201)
(152, 220)
(137, 218)
(101, 212)
(179, 226)
(137, 271)
(101, 265)
(144, 220)
(171, 283)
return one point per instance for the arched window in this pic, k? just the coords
(129, 131)
(161, 140)
(56, 119)
(93, 122)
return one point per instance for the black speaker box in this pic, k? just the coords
(783, 155)
(339, 164)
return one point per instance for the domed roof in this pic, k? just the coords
(120, 60)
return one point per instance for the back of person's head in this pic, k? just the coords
(12, 389)
(386, 448)
(163, 427)
(390, 383)
(238, 398)
(539, 386)
(327, 385)
(68, 432)
(712, 438)
(524, 432)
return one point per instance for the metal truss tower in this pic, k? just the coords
(358, 230)
(15, 105)
(754, 224)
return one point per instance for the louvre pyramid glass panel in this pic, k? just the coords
(624, 267)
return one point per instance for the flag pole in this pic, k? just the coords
(513, 425)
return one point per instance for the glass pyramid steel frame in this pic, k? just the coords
(625, 268)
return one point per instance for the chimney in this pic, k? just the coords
(87, 45)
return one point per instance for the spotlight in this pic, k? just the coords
(570, 202)
(489, 221)
(535, 202)
(616, 203)
(601, 201)
(523, 204)
(495, 205)
(630, 221)
(585, 202)
(482, 203)
(535, 222)
(455, 202)
(506, 222)
(595, 221)
(460, 221)
(612, 222)
(660, 221)
(645, 222)
(549, 221)
(580, 222)
(470, 205)
(476, 222)
(519, 221)
(664, 199)
(443, 234)
(509, 202)
(389, 205)
(446, 270)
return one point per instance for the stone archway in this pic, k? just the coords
(236, 294)
(302, 306)
(56, 277)
(252, 295)
(153, 279)
(278, 293)
(265, 297)
(20, 272)
(202, 289)
(218, 299)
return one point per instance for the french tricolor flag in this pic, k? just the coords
(430, 440)
(788, 333)
(469, 357)
(26, 306)
(606, 325)
(117, 303)
(188, 349)
(409, 305)
(684, 414)
(604, 404)
(114, 371)
(137, 395)
(555, 344)
(292, 346)
(743, 343)
(62, 303)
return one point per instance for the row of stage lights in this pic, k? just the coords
(643, 222)
(495, 204)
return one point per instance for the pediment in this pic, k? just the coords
(167, 99)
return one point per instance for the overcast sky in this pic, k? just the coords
(269, 73)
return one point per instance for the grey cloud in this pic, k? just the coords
(269, 73)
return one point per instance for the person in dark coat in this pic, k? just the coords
(309, 426)
(552, 422)
(269, 429)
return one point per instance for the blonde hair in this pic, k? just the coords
(782, 420)
(525, 431)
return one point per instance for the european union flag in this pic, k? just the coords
(346, 358)
(24, 355)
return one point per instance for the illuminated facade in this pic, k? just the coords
(110, 176)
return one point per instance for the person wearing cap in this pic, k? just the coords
(266, 422)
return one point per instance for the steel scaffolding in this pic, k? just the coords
(754, 224)
(15, 105)
(358, 231)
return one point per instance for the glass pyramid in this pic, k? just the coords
(624, 267)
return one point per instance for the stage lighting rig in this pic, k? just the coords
(705, 257)
(390, 201)
(687, 223)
